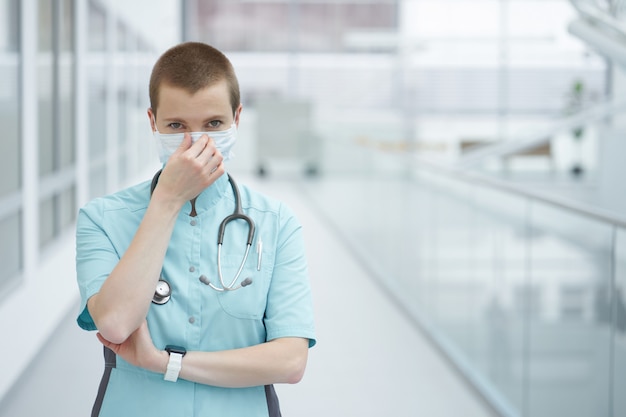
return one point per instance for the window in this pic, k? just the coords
(9, 98)
(97, 99)
(57, 142)
(10, 152)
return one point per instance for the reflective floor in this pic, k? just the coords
(370, 360)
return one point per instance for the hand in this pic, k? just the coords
(191, 169)
(139, 350)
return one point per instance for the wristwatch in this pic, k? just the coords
(175, 362)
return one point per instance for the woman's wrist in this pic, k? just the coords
(159, 362)
(172, 203)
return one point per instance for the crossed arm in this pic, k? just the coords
(278, 361)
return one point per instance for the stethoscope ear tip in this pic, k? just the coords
(205, 280)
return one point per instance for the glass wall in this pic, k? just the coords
(618, 323)
(117, 99)
(524, 296)
(97, 98)
(53, 167)
(57, 153)
(569, 337)
(10, 149)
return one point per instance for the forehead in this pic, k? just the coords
(179, 101)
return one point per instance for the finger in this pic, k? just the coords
(219, 169)
(217, 161)
(198, 147)
(104, 341)
(185, 144)
(201, 143)
(209, 152)
(213, 162)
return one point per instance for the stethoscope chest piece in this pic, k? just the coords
(163, 292)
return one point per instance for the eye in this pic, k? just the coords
(175, 125)
(214, 124)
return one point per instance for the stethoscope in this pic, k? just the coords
(163, 291)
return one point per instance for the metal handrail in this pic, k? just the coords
(617, 6)
(595, 14)
(574, 206)
(537, 138)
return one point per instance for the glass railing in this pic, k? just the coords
(524, 293)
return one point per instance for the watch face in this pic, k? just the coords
(175, 349)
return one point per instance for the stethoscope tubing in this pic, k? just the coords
(230, 287)
(236, 215)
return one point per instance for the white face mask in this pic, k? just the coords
(167, 143)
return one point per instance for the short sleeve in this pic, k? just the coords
(289, 311)
(95, 258)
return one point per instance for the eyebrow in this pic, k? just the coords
(182, 119)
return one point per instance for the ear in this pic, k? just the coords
(152, 118)
(237, 115)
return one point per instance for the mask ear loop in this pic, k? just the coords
(156, 129)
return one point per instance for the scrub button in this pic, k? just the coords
(191, 269)
(193, 223)
(192, 320)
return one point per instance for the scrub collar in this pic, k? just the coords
(209, 197)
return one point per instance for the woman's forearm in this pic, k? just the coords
(278, 361)
(123, 301)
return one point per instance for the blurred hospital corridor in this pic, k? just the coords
(457, 166)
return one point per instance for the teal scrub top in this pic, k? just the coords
(277, 303)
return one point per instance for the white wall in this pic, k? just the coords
(158, 20)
